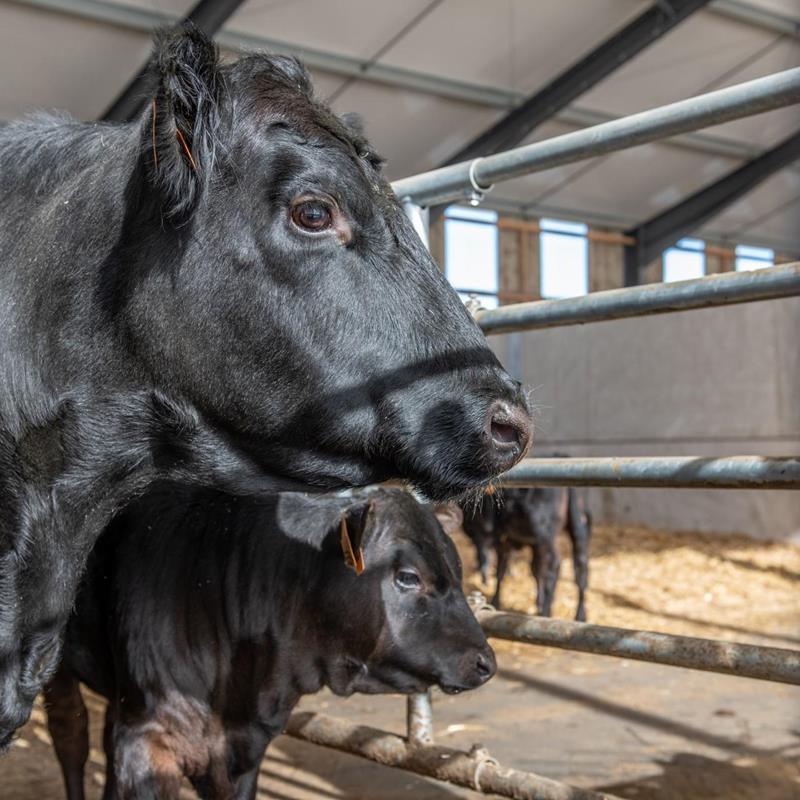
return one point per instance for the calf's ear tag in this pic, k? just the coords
(353, 559)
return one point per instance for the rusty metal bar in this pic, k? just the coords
(657, 298)
(687, 472)
(729, 658)
(475, 770)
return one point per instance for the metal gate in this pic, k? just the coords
(471, 180)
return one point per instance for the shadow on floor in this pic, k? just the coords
(629, 714)
(688, 776)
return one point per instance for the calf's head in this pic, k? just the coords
(393, 608)
(272, 279)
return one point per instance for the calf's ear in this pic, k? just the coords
(183, 118)
(352, 527)
(450, 517)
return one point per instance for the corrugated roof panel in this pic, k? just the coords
(516, 45)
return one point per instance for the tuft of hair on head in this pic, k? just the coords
(292, 72)
(182, 120)
(354, 122)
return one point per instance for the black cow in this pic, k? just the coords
(532, 518)
(203, 618)
(224, 291)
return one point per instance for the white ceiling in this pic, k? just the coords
(504, 48)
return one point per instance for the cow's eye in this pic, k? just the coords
(312, 215)
(406, 579)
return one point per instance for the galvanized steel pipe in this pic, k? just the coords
(677, 472)
(475, 770)
(657, 298)
(743, 100)
(419, 718)
(729, 658)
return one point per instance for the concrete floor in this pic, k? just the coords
(637, 730)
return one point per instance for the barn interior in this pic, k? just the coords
(438, 82)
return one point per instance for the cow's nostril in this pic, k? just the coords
(504, 433)
(510, 430)
(484, 667)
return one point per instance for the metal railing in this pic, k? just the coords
(656, 298)
(710, 655)
(477, 769)
(675, 472)
(478, 176)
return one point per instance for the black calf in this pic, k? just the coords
(204, 618)
(533, 518)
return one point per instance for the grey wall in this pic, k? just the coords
(715, 381)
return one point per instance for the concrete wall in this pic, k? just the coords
(715, 381)
(722, 381)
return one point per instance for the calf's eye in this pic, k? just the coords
(312, 215)
(406, 579)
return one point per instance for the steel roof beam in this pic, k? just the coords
(665, 229)
(590, 70)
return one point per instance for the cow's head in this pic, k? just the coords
(394, 612)
(273, 280)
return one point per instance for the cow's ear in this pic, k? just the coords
(352, 528)
(182, 122)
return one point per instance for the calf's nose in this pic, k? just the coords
(508, 428)
(485, 665)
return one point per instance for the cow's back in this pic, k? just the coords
(63, 191)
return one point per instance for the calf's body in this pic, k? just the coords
(224, 291)
(532, 517)
(203, 618)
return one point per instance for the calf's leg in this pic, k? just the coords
(503, 552)
(579, 527)
(110, 787)
(545, 566)
(68, 723)
(247, 785)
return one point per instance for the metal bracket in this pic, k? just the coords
(478, 191)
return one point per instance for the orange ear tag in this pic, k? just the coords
(490, 490)
(353, 560)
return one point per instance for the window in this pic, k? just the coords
(564, 261)
(748, 258)
(685, 261)
(470, 253)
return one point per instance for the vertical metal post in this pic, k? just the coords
(419, 718)
(419, 219)
(419, 708)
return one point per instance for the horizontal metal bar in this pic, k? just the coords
(757, 15)
(727, 288)
(710, 655)
(677, 472)
(475, 770)
(734, 102)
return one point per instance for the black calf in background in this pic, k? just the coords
(533, 517)
(227, 292)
